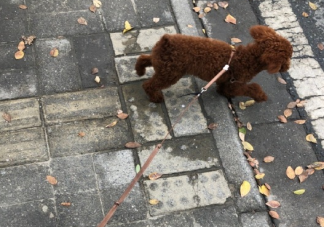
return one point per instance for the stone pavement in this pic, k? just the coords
(59, 113)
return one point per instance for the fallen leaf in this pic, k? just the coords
(320, 46)
(264, 190)
(247, 146)
(291, 105)
(81, 134)
(301, 103)
(22, 6)
(97, 79)
(242, 136)
(274, 214)
(299, 170)
(154, 201)
(21, 45)
(268, 159)
(203, 30)
(273, 204)
(312, 6)
(259, 176)
(230, 19)
(94, 71)
(154, 176)
(128, 27)
(119, 111)
(19, 54)
(156, 19)
(245, 188)
(267, 185)
(6, 117)
(54, 52)
(207, 9)
(112, 124)
(215, 5)
(249, 126)
(29, 39)
(201, 15)
(320, 221)
(304, 14)
(242, 130)
(300, 122)
(282, 119)
(82, 21)
(122, 116)
(196, 9)
(302, 177)
(97, 3)
(290, 173)
(223, 4)
(93, 8)
(249, 103)
(311, 138)
(51, 180)
(212, 126)
(288, 112)
(310, 171)
(242, 106)
(66, 204)
(299, 192)
(137, 168)
(236, 40)
(280, 80)
(189, 26)
(316, 165)
(132, 145)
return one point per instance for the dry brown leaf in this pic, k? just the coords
(189, 26)
(28, 40)
(320, 221)
(132, 145)
(66, 204)
(209, 4)
(21, 45)
(282, 119)
(300, 122)
(112, 124)
(274, 214)
(212, 126)
(267, 185)
(93, 8)
(291, 105)
(236, 40)
(304, 14)
(264, 190)
(301, 103)
(97, 3)
(207, 9)
(54, 52)
(299, 170)
(242, 136)
(6, 117)
(320, 46)
(82, 21)
(259, 176)
(94, 71)
(215, 5)
(282, 81)
(223, 4)
(22, 6)
(196, 9)
(249, 103)
(302, 177)
(201, 15)
(249, 126)
(268, 159)
(156, 19)
(230, 19)
(51, 180)
(81, 134)
(122, 116)
(288, 112)
(316, 165)
(312, 6)
(19, 54)
(310, 171)
(153, 201)
(290, 173)
(273, 204)
(311, 138)
(154, 176)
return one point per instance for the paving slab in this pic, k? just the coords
(64, 139)
(57, 74)
(193, 121)
(125, 67)
(181, 155)
(23, 146)
(147, 118)
(53, 6)
(24, 183)
(89, 104)
(24, 114)
(94, 51)
(115, 170)
(18, 84)
(256, 219)
(186, 192)
(30, 214)
(136, 41)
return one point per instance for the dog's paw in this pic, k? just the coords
(157, 98)
(261, 97)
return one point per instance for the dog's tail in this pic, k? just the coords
(143, 61)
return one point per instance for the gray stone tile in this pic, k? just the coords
(18, 84)
(64, 139)
(116, 12)
(24, 183)
(147, 119)
(45, 25)
(94, 51)
(52, 6)
(59, 74)
(23, 146)
(74, 174)
(184, 192)
(115, 170)
(147, 10)
(136, 41)
(24, 114)
(193, 121)
(84, 211)
(256, 219)
(30, 214)
(125, 67)
(182, 155)
(97, 103)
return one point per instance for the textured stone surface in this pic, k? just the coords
(185, 192)
(64, 139)
(256, 219)
(24, 114)
(193, 121)
(125, 67)
(147, 119)
(181, 155)
(136, 41)
(81, 105)
(23, 146)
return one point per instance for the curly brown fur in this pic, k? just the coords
(174, 56)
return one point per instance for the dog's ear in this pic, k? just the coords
(273, 68)
(272, 61)
(260, 32)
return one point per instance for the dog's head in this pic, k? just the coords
(277, 49)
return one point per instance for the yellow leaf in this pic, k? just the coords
(320, 221)
(247, 146)
(274, 214)
(264, 190)
(249, 103)
(312, 5)
(196, 9)
(154, 201)
(127, 27)
(311, 138)
(97, 79)
(21, 45)
(290, 173)
(249, 126)
(112, 124)
(242, 106)
(207, 9)
(230, 19)
(97, 3)
(245, 188)
(54, 52)
(204, 31)
(299, 192)
(236, 40)
(299, 170)
(304, 14)
(19, 54)
(259, 176)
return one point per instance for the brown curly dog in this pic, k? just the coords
(174, 56)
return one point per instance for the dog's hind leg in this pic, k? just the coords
(142, 62)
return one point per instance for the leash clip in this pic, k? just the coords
(203, 89)
(226, 67)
